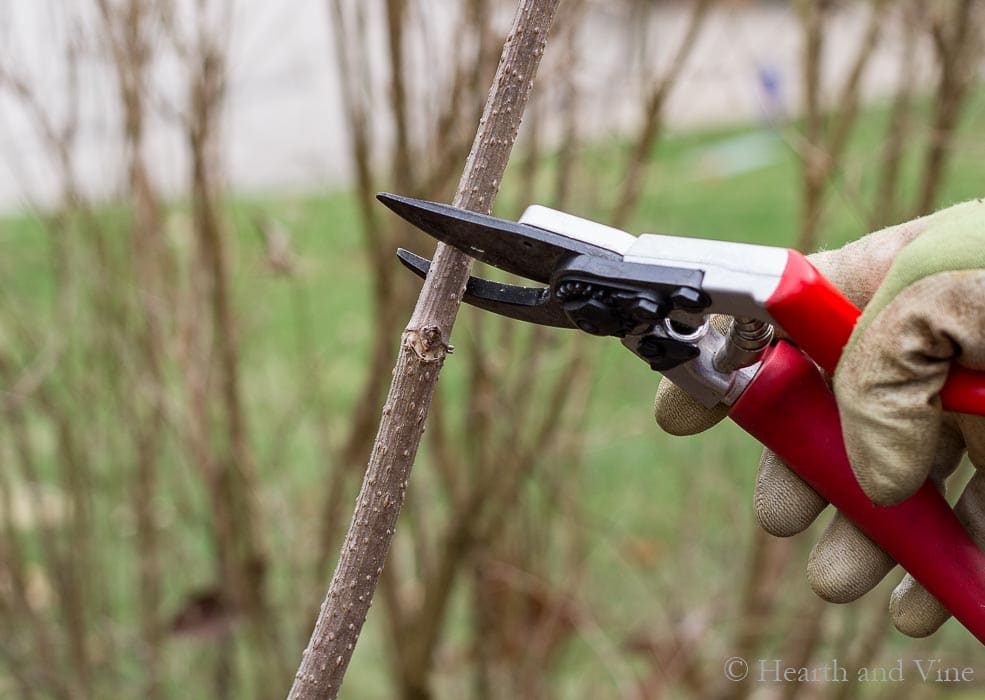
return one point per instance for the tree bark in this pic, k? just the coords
(423, 348)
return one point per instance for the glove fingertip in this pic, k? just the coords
(783, 503)
(679, 414)
(884, 482)
(844, 565)
(915, 612)
(891, 440)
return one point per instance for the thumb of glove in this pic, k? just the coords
(928, 312)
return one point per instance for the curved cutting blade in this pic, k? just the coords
(531, 304)
(523, 250)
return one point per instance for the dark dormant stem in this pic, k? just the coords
(423, 347)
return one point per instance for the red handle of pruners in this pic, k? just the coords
(790, 409)
(820, 320)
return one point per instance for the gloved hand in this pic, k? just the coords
(922, 287)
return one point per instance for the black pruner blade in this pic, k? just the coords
(531, 304)
(518, 248)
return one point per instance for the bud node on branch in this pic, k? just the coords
(427, 343)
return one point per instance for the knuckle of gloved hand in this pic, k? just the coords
(858, 267)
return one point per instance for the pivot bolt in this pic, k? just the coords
(647, 309)
(689, 299)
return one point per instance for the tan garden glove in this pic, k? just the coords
(922, 287)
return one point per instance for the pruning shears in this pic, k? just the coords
(655, 293)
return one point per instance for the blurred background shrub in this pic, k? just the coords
(199, 306)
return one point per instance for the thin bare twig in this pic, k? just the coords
(422, 351)
(823, 148)
(899, 126)
(957, 39)
(653, 117)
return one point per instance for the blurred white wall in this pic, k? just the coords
(284, 128)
